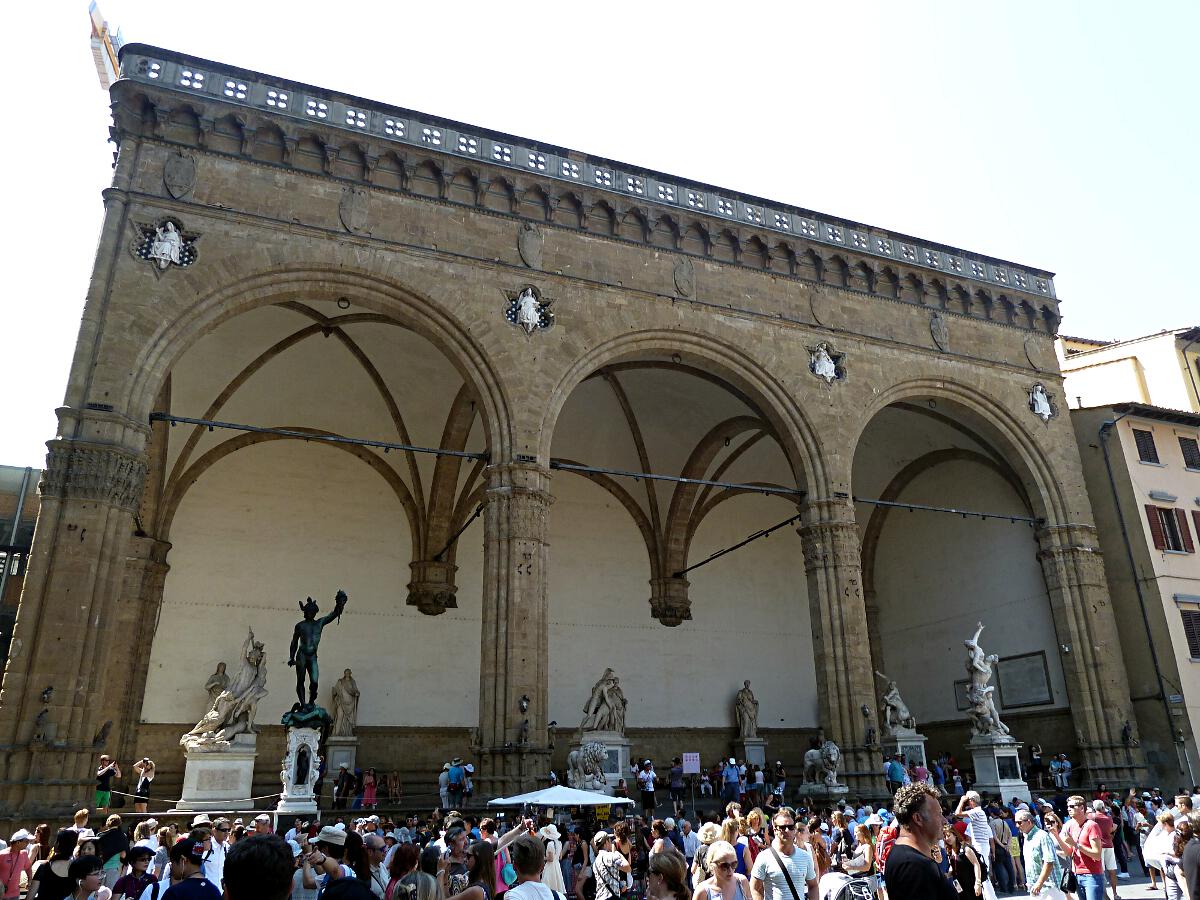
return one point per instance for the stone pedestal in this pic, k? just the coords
(826, 794)
(340, 750)
(753, 751)
(220, 778)
(300, 769)
(616, 766)
(998, 767)
(907, 743)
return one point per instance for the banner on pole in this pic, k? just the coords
(691, 764)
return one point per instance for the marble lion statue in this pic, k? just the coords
(821, 764)
(585, 766)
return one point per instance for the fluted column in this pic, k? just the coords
(841, 647)
(514, 660)
(66, 623)
(1097, 686)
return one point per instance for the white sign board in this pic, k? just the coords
(691, 764)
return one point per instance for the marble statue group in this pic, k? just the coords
(605, 708)
(232, 710)
(985, 719)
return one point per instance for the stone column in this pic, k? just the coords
(514, 659)
(1097, 686)
(137, 615)
(64, 634)
(841, 648)
(875, 642)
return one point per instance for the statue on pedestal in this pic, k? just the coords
(985, 720)
(345, 705)
(896, 714)
(745, 707)
(822, 761)
(305, 640)
(585, 767)
(232, 712)
(605, 709)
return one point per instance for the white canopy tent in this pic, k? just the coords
(559, 796)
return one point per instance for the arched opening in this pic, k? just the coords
(930, 576)
(258, 522)
(621, 544)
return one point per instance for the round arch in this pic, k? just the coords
(798, 438)
(993, 423)
(420, 313)
(178, 490)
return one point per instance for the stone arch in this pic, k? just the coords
(174, 496)
(905, 477)
(990, 421)
(421, 314)
(797, 435)
(666, 232)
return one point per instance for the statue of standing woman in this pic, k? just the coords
(345, 705)
(745, 707)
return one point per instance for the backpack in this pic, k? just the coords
(883, 846)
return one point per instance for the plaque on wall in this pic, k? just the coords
(960, 695)
(1023, 680)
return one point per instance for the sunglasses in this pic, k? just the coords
(791, 826)
(726, 865)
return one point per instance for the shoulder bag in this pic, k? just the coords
(786, 874)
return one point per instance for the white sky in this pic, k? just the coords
(1056, 134)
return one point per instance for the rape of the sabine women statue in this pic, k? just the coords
(985, 720)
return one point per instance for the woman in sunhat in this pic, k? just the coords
(552, 875)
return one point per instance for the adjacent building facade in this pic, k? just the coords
(331, 343)
(1139, 439)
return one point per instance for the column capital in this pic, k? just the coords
(528, 475)
(79, 470)
(835, 510)
(829, 534)
(1079, 536)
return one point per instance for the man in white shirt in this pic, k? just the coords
(979, 832)
(214, 866)
(376, 850)
(783, 861)
(691, 841)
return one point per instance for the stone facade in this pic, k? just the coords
(310, 200)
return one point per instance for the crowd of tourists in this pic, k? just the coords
(921, 844)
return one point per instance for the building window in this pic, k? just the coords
(1191, 628)
(1191, 452)
(1169, 528)
(1147, 452)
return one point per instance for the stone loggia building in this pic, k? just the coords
(287, 257)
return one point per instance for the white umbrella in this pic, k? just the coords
(558, 796)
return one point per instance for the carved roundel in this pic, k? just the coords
(826, 363)
(164, 244)
(1041, 404)
(528, 311)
